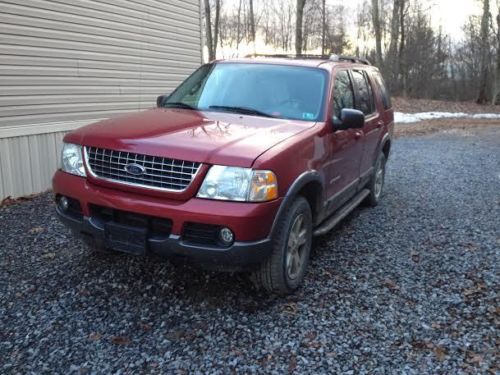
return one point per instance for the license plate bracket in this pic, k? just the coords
(125, 238)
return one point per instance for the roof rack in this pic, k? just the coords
(353, 59)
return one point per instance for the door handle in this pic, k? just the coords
(380, 124)
(358, 135)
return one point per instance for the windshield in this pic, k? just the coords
(280, 91)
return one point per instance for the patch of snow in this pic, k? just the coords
(407, 118)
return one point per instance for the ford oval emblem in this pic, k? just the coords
(135, 169)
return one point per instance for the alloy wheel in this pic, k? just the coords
(295, 254)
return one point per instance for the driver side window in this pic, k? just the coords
(343, 94)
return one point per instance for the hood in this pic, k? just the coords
(206, 137)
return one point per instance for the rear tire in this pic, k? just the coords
(284, 270)
(376, 183)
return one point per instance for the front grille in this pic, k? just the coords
(159, 172)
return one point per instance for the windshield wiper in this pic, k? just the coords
(178, 105)
(243, 110)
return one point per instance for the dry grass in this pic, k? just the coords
(433, 126)
(425, 105)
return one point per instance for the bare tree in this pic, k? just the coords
(394, 36)
(378, 31)
(401, 53)
(216, 26)
(298, 26)
(496, 86)
(323, 27)
(208, 31)
(212, 38)
(483, 79)
(252, 21)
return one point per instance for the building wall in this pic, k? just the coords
(66, 63)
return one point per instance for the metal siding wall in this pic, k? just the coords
(27, 163)
(66, 61)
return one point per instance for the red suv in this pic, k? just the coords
(237, 169)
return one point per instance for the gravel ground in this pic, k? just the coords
(411, 286)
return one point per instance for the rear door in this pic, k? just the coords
(365, 102)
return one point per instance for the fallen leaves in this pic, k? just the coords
(49, 255)
(415, 257)
(478, 288)
(120, 340)
(290, 308)
(292, 365)
(95, 336)
(9, 201)
(36, 230)
(388, 283)
(440, 353)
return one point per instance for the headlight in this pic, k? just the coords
(239, 184)
(72, 159)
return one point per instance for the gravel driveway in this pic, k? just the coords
(411, 286)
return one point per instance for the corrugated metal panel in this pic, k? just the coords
(67, 62)
(2, 194)
(74, 59)
(28, 163)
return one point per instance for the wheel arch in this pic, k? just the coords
(310, 185)
(385, 145)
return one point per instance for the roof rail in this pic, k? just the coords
(352, 59)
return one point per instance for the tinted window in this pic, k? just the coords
(364, 94)
(290, 92)
(343, 95)
(384, 93)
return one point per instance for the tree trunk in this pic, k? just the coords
(252, 25)
(252, 22)
(238, 26)
(393, 46)
(483, 74)
(298, 26)
(208, 31)
(401, 55)
(323, 27)
(378, 31)
(496, 92)
(216, 27)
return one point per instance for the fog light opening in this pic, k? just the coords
(64, 203)
(226, 236)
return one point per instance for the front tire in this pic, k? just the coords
(376, 184)
(284, 270)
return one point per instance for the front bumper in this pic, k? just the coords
(251, 223)
(240, 254)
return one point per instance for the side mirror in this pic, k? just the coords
(349, 119)
(160, 100)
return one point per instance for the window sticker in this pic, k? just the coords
(308, 116)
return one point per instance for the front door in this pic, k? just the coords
(345, 147)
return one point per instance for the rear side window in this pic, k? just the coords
(364, 93)
(343, 94)
(384, 93)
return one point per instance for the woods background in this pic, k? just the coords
(418, 59)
